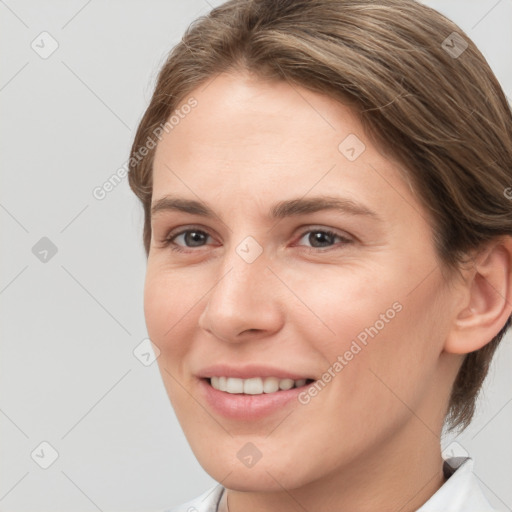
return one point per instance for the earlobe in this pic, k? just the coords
(488, 301)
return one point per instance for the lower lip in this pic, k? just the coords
(248, 407)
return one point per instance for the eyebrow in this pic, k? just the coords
(287, 208)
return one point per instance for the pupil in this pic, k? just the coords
(317, 237)
(192, 236)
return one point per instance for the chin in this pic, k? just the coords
(240, 480)
(266, 476)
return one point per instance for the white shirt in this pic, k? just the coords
(460, 493)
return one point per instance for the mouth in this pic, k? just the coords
(255, 385)
(251, 399)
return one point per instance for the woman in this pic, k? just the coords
(327, 226)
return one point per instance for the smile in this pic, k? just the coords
(255, 385)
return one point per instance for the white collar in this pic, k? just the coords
(461, 492)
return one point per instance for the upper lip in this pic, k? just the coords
(249, 371)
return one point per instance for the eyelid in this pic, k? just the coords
(334, 231)
(186, 227)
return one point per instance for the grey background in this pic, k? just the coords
(70, 325)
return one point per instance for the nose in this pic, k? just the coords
(244, 300)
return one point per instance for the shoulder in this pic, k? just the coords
(206, 502)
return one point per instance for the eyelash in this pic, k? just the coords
(167, 242)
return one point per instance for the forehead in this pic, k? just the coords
(269, 141)
(236, 113)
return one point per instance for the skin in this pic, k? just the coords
(370, 440)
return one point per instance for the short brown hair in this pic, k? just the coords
(439, 112)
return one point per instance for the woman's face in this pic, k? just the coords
(363, 311)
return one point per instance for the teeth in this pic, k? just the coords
(255, 385)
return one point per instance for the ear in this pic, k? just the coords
(487, 300)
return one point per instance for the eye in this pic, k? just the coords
(195, 237)
(192, 236)
(319, 237)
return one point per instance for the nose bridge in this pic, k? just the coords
(241, 299)
(245, 274)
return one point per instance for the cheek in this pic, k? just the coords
(394, 371)
(166, 310)
(382, 342)
(408, 347)
(347, 307)
(168, 315)
(156, 303)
